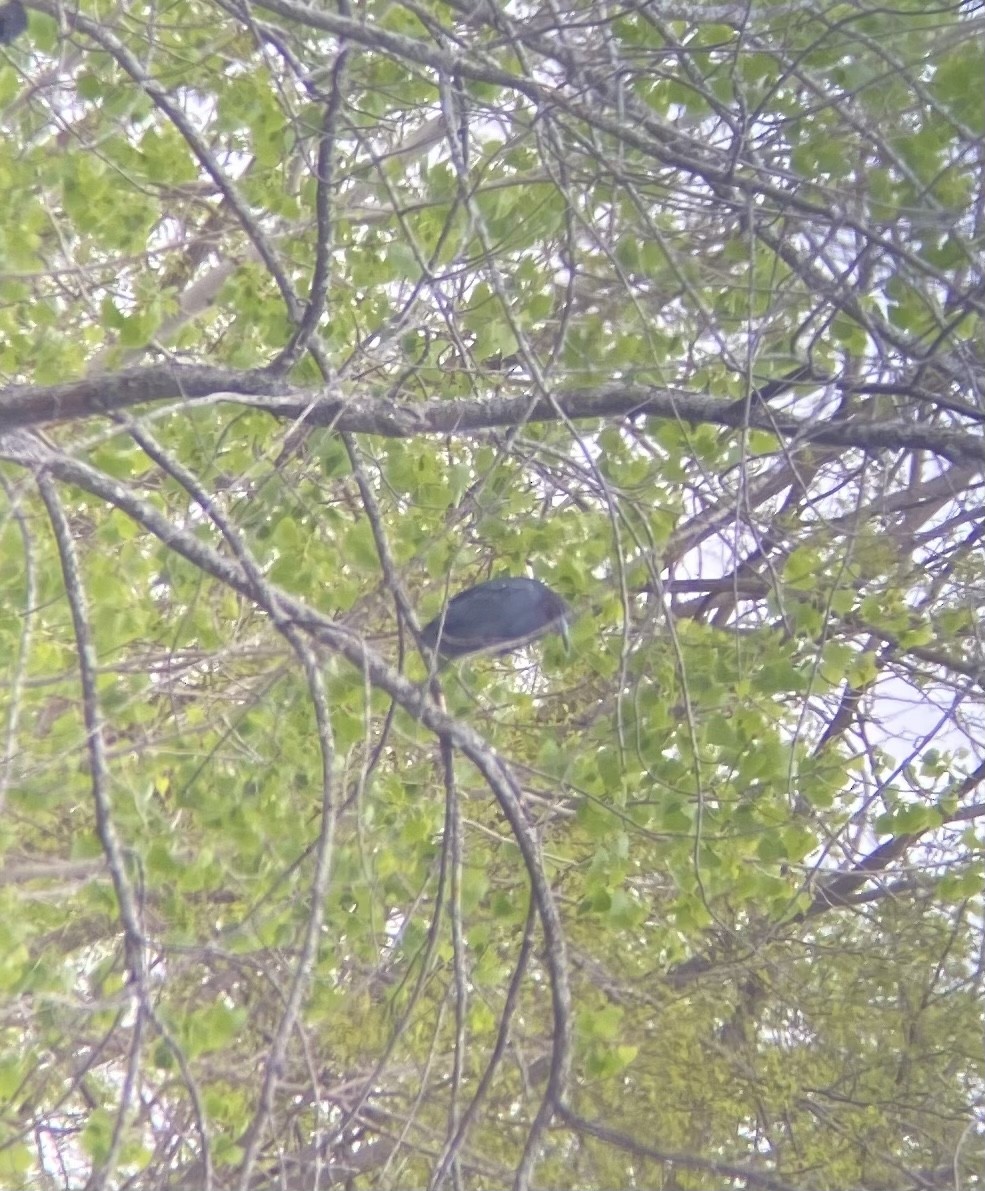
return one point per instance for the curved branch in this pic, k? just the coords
(294, 615)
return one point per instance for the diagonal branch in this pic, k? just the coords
(295, 616)
(835, 890)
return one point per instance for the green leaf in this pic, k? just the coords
(909, 820)
(97, 1134)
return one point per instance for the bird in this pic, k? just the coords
(13, 21)
(497, 616)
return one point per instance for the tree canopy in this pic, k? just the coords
(311, 317)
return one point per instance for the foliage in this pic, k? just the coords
(310, 317)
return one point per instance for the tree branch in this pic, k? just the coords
(26, 406)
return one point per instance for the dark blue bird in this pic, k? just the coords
(13, 21)
(499, 615)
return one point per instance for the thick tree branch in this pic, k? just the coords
(708, 1166)
(26, 406)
